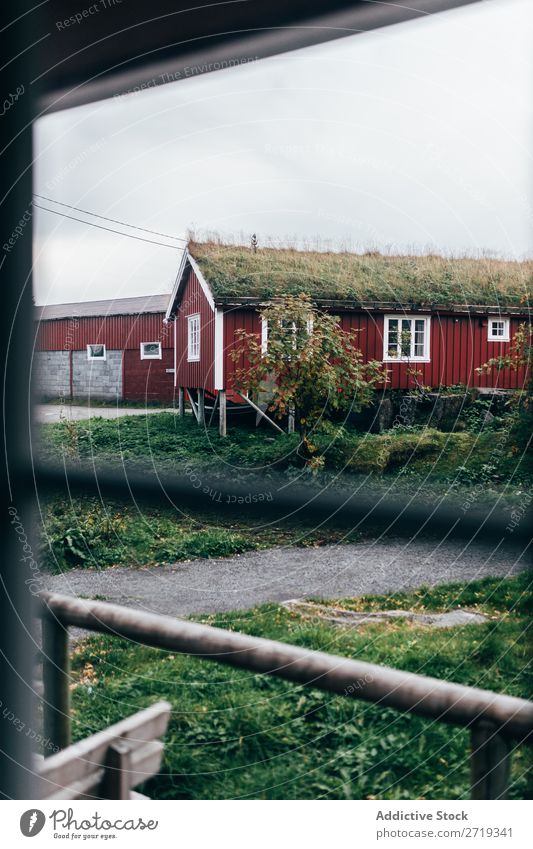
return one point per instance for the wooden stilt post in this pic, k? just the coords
(222, 411)
(490, 762)
(194, 407)
(215, 405)
(260, 412)
(201, 406)
(290, 424)
(181, 401)
(56, 681)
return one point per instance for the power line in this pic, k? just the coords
(108, 229)
(105, 218)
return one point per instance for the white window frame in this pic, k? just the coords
(505, 337)
(403, 358)
(264, 333)
(193, 351)
(264, 336)
(157, 356)
(96, 359)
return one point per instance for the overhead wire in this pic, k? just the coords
(109, 229)
(112, 220)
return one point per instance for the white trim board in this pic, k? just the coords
(187, 259)
(219, 349)
(202, 281)
(177, 282)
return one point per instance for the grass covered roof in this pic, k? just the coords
(234, 271)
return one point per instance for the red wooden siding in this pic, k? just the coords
(235, 320)
(148, 380)
(202, 373)
(458, 346)
(141, 379)
(117, 332)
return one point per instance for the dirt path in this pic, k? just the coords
(53, 412)
(279, 574)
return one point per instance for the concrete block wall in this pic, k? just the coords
(99, 379)
(51, 374)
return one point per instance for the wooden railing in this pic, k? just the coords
(497, 723)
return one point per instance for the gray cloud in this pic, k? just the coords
(414, 137)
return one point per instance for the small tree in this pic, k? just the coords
(309, 366)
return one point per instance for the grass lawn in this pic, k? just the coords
(423, 462)
(234, 734)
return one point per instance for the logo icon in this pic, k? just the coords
(32, 822)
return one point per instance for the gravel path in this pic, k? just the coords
(53, 412)
(279, 574)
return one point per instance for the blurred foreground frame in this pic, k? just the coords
(55, 66)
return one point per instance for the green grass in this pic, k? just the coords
(98, 402)
(166, 442)
(422, 462)
(234, 734)
(89, 534)
(236, 271)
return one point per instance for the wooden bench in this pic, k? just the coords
(109, 764)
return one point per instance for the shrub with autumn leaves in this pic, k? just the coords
(309, 366)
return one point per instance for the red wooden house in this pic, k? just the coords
(454, 314)
(444, 318)
(119, 349)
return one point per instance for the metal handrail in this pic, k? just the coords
(497, 722)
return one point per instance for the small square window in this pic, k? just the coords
(150, 350)
(96, 352)
(498, 330)
(193, 337)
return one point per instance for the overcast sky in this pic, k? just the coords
(413, 137)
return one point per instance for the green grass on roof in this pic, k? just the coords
(237, 272)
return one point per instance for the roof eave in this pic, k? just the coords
(229, 302)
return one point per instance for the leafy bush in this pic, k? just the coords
(81, 534)
(87, 533)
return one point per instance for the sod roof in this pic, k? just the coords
(237, 272)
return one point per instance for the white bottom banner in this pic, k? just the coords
(245, 824)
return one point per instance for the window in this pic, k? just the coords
(96, 352)
(150, 350)
(285, 324)
(498, 330)
(406, 338)
(264, 335)
(193, 337)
